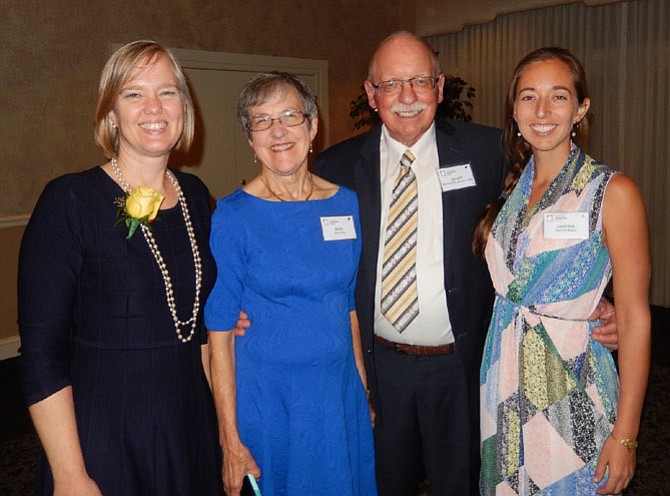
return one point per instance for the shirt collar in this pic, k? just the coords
(421, 149)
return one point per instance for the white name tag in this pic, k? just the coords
(338, 227)
(456, 177)
(569, 225)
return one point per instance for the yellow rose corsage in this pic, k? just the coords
(140, 206)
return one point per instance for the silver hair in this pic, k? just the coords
(264, 86)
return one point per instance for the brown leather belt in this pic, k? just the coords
(411, 349)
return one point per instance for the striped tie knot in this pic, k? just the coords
(407, 159)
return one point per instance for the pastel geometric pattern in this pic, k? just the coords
(549, 394)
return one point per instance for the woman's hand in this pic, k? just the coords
(243, 323)
(237, 459)
(606, 333)
(360, 365)
(237, 463)
(79, 486)
(620, 462)
(56, 425)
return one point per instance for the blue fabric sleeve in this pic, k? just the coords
(227, 242)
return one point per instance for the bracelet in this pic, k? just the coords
(629, 444)
(368, 394)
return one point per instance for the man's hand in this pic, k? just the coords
(243, 323)
(606, 333)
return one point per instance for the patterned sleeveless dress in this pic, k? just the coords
(549, 394)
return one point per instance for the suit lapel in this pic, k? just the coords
(449, 153)
(367, 176)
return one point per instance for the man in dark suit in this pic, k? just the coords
(424, 379)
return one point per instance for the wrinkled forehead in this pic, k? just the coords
(279, 94)
(402, 59)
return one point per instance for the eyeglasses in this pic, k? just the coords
(288, 118)
(394, 86)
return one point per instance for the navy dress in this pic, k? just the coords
(301, 406)
(93, 315)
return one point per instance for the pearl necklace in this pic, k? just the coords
(153, 246)
(267, 186)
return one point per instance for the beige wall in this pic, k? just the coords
(53, 50)
(9, 241)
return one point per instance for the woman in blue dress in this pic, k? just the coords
(291, 395)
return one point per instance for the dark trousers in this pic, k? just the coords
(424, 429)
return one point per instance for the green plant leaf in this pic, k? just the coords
(132, 224)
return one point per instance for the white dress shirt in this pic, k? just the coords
(432, 326)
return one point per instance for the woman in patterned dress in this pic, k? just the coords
(554, 418)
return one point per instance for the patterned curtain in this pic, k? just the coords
(625, 49)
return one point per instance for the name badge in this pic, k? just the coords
(338, 227)
(456, 177)
(569, 225)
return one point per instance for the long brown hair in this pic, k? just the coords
(515, 148)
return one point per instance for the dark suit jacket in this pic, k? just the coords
(354, 163)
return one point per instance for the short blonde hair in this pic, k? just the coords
(116, 72)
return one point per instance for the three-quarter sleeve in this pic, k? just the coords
(49, 263)
(227, 245)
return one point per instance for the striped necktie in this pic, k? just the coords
(399, 296)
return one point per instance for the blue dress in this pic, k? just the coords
(93, 315)
(301, 406)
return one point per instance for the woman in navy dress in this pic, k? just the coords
(290, 394)
(110, 308)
